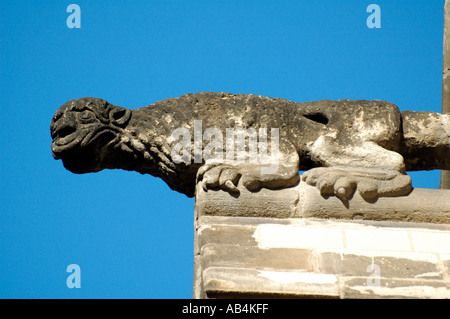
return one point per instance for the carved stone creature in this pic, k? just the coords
(345, 145)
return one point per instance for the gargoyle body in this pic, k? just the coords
(344, 145)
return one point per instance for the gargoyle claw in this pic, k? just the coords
(218, 175)
(342, 182)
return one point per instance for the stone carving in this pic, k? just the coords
(345, 145)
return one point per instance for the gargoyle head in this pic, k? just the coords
(84, 133)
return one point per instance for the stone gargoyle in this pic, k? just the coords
(344, 146)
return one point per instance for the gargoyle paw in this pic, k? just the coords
(227, 177)
(370, 183)
(218, 175)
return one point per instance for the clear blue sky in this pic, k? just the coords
(130, 234)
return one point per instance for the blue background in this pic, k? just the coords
(130, 234)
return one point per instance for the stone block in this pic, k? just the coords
(367, 238)
(420, 206)
(298, 236)
(305, 201)
(357, 288)
(264, 203)
(245, 283)
(345, 264)
(214, 255)
(245, 257)
(226, 235)
(431, 241)
(446, 266)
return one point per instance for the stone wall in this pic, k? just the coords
(304, 258)
(264, 245)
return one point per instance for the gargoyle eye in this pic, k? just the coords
(87, 116)
(119, 114)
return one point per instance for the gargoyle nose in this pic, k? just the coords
(63, 127)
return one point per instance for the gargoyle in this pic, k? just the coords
(344, 145)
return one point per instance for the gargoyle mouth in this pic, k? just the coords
(69, 140)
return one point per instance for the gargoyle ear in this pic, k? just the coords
(119, 116)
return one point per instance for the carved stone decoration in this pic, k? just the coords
(345, 145)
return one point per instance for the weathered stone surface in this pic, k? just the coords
(314, 258)
(265, 203)
(303, 200)
(227, 235)
(390, 267)
(447, 43)
(420, 206)
(220, 282)
(445, 177)
(348, 145)
(431, 150)
(446, 64)
(357, 288)
(446, 264)
(238, 256)
(198, 289)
